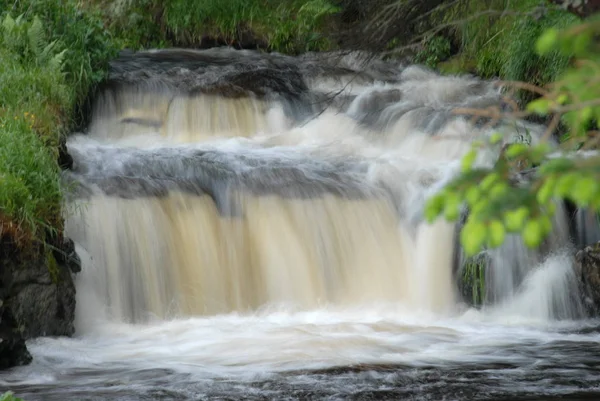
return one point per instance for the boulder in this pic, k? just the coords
(13, 351)
(37, 296)
(588, 271)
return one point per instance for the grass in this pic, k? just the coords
(47, 70)
(473, 279)
(292, 26)
(503, 46)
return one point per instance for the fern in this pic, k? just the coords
(9, 24)
(37, 40)
(9, 32)
(56, 62)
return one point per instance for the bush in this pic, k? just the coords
(497, 203)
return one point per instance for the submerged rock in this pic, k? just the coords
(37, 297)
(588, 271)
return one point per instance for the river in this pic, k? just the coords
(250, 227)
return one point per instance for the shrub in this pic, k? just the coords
(496, 203)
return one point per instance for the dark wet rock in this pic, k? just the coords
(65, 255)
(224, 72)
(588, 270)
(37, 296)
(13, 351)
(65, 161)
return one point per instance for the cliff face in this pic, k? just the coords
(37, 297)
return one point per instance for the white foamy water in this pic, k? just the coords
(232, 252)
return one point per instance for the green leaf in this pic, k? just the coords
(497, 233)
(581, 43)
(452, 207)
(583, 190)
(468, 160)
(546, 224)
(496, 138)
(565, 185)
(516, 149)
(539, 151)
(562, 99)
(539, 106)
(499, 190)
(533, 233)
(472, 195)
(544, 195)
(514, 220)
(472, 237)
(556, 165)
(489, 181)
(434, 206)
(547, 41)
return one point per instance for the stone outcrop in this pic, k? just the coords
(37, 296)
(588, 270)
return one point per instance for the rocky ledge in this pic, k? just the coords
(37, 296)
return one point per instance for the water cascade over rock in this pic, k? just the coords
(203, 195)
(240, 212)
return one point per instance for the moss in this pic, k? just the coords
(458, 64)
(473, 279)
(53, 267)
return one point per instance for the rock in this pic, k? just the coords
(13, 351)
(588, 271)
(37, 296)
(65, 161)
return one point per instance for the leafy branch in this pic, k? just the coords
(497, 202)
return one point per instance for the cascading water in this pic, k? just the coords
(251, 227)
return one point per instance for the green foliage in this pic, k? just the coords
(9, 396)
(499, 204)
(52, 55)
(499, 37)
(473, 278)
(435, 50)
(32, 89)
(81, 36)
(30, 193)
(292, 26)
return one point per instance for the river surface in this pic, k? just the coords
(372, 353)
(250, 228)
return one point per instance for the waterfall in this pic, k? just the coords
(194, 203)
(251, 227)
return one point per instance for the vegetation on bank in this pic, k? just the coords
(52, 55)
(291, 26)
(495, 38)
(497, 203)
